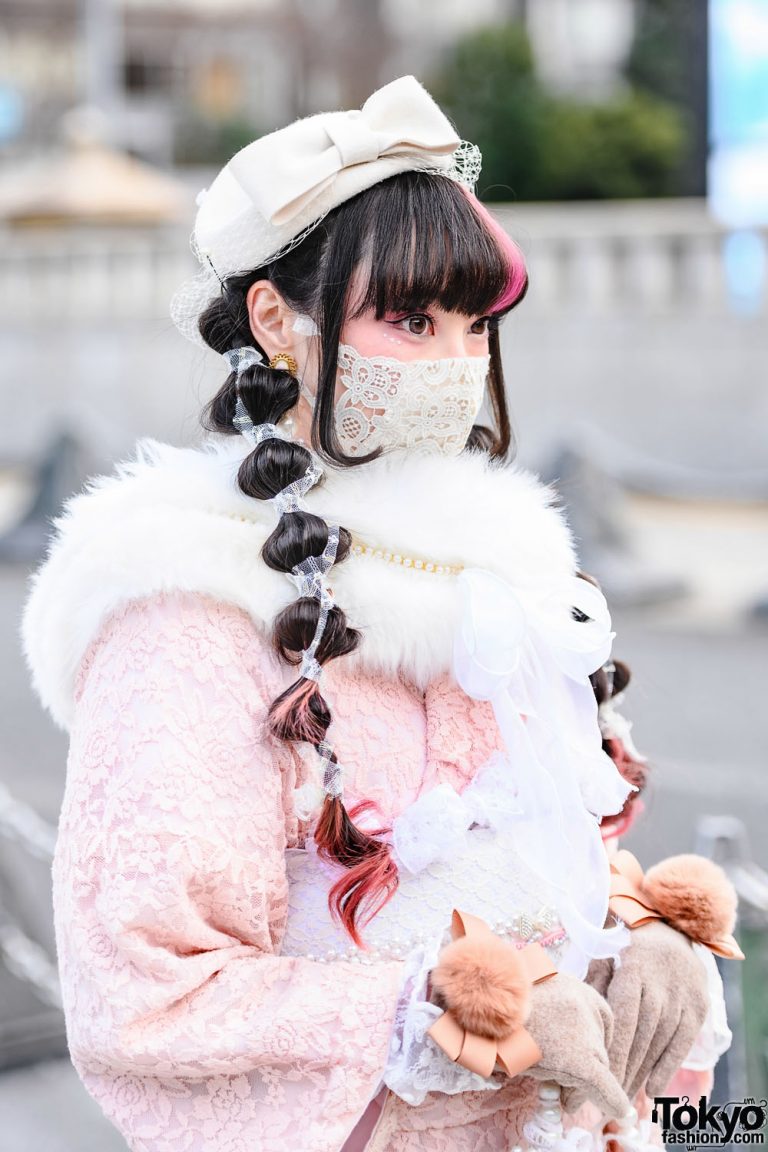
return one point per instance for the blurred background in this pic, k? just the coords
(625, 148)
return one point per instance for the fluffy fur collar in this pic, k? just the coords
(174, 518)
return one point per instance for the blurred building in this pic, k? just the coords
(171, 73)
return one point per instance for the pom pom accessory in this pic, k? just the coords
(489, 985)
(689, 892)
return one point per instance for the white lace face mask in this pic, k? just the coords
(428, 406)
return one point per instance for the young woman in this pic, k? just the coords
(331, 868)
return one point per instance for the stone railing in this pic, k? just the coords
(593, 256)
(603, 257)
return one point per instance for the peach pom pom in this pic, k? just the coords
(694, 895)
(484, 985)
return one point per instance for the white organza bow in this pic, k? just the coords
(435, 826)
(400, 119)
(524, 651)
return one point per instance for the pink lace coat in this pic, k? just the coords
(184, 1021)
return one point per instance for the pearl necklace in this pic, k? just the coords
(417, 563)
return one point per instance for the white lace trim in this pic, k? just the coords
(416, 1065)
(715, 1036)
(471, 863)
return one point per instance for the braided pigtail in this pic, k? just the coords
(309, 633)
(255, 401)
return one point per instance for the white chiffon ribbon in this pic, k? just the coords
(523, 651)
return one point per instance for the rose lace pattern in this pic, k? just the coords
(426, 406)
(185, 1020)
(170, 894)
(188, 1020)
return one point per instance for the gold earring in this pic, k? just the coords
(285, 362)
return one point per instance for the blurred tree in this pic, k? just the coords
(627, 149)
(488, 86)
(540, 147)
(200, 140)
(669, 59)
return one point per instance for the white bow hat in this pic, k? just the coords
(278, 188)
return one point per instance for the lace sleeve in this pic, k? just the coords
(715, 1036)
(170, 889)
(416, 1065)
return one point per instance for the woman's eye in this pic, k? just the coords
(417, 325)
(420, 324)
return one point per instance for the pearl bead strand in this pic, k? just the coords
(418, 564)
(519, 930)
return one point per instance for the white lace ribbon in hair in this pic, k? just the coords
(520, 650)
(291, 498)
(309, 577)
(612, 723)
(254, 433)
(239, 359)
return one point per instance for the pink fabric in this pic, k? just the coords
(358, 1140)
(184, 1021)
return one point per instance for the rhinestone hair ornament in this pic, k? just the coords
(277, 189)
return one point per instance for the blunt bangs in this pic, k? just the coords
(423, 243)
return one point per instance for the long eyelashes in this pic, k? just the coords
(491, 323)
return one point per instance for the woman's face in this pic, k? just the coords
(431, 334)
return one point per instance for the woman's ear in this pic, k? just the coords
(272, 322)
(271, 319)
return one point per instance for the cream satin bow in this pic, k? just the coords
(399, 120)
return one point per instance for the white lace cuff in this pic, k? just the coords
(715, 1036)
(416, 1065)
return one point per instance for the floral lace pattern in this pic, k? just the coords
(416, 1065)
(422, 405)
(184, 1021)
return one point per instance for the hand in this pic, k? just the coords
(573, 1026)
(659, 998)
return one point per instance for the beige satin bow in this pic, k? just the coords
(480, 1054)
(284, 172)
(633, 905)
